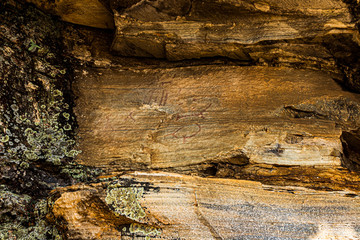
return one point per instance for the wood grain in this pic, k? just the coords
(160, 118)
(184, 207)
(164, 29)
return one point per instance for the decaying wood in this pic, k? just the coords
(184, 207)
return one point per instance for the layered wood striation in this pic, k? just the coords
(265, 101)
(179, 206)
(176, 117)
(192, 29)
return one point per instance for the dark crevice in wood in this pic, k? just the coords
(351, 146)
(318, 178)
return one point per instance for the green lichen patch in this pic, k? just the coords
(125, 201)
(19, 220)
(144, 230)
(12, 204)
(37, 123)
(41, 134)
(41, 231)
(79, 172)
(33, 46)
(4, 139)
(41, 209)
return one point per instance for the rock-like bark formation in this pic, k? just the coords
(266, 32)
(169, 206)
(254, 90)
(177, 117)
(191, 28)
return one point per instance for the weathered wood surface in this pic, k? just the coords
(161, 118)
(202, 120)
(184, 207)
(192, 29)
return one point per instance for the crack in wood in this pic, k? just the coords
(204, 221)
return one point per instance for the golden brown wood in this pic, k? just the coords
(186, 29)
(179, 206)
(90, 13)
(172, 117)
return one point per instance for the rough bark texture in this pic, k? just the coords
(242, 122)
(177, 206)
(177, 117)
(188, 29)
(267, 32)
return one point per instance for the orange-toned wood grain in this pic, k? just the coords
(160, 118)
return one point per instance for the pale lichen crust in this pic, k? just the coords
(125, 201)
(144, 230)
